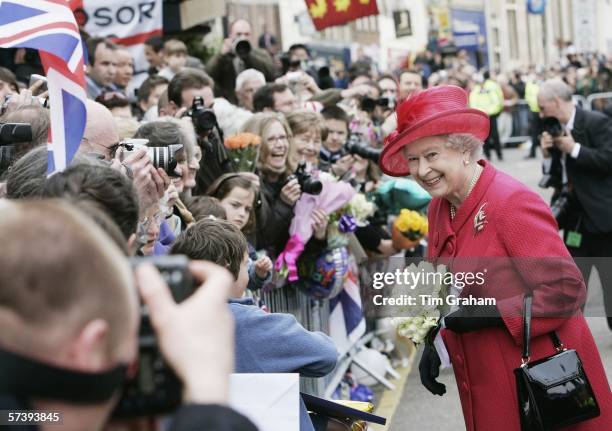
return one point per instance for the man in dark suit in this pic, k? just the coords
(233, 58)
(586, 170)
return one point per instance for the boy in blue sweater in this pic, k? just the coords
(265, 342)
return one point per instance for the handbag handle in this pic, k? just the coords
(527, 301)
(526, 327)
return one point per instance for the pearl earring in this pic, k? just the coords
(466, 162)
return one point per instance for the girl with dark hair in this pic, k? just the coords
(236, 193)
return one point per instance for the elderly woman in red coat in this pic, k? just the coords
(482, 218)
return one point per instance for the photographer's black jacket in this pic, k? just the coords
(590, 174)
(273, 218)
(215, 162)
(221, 68)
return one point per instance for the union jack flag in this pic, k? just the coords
(49, 26)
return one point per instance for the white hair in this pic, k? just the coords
(555, 88)
(248, 74)
(187, 130)
(465, 142)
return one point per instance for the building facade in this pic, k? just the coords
(499, 34)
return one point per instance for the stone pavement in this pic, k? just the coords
(421, 411)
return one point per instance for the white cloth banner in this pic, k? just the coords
(128, 22)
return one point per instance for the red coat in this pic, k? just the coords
(514, 222)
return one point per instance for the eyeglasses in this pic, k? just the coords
(111, 148)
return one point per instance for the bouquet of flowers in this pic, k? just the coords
(412, 224)
(242, 149)
(420, 318)
(347, 219)
(335, 195)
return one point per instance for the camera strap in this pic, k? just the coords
(27, 378)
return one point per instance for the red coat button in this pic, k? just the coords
(450, 248)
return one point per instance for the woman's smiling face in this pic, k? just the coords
(440, 170)
(306, 147)
(277, 143)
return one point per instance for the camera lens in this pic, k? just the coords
(552, 126)
(204, 119)
(312, 186)
(242, 48)
(368, 104)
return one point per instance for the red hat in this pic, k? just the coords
(439, 110)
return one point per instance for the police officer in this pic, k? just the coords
(488, 97)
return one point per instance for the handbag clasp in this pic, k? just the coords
(525, 361)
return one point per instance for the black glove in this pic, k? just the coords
(429, 370)
(473, 317)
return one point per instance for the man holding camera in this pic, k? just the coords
(69, 317)
(190, 93)
(237, 55)
(584, 164)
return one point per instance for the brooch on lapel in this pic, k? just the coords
(480, 219)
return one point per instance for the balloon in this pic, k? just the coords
(323, 278)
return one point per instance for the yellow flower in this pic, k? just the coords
(410, 221)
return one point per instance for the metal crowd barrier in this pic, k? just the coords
(597, 101)
(581, 101)
(312, 314)
(522, 116)
(521, 123)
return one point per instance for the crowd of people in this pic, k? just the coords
(156, 175)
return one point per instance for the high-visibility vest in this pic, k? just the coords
(487, 97)
(531, 96)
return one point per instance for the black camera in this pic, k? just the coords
(387, 102)
(241, 47)
(204, 119)
(10, 135)
(161, 157)
(154, 388)
(369, 105)
(552, 126)
(356, 146)
(307, 183)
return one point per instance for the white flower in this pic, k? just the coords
(360, 208)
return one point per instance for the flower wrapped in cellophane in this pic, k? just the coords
(416, 321)
(242, 149)
(347, 219)
(334, 195)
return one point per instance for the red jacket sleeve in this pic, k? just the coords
(531, 238)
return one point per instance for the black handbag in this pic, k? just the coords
(553, 392)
